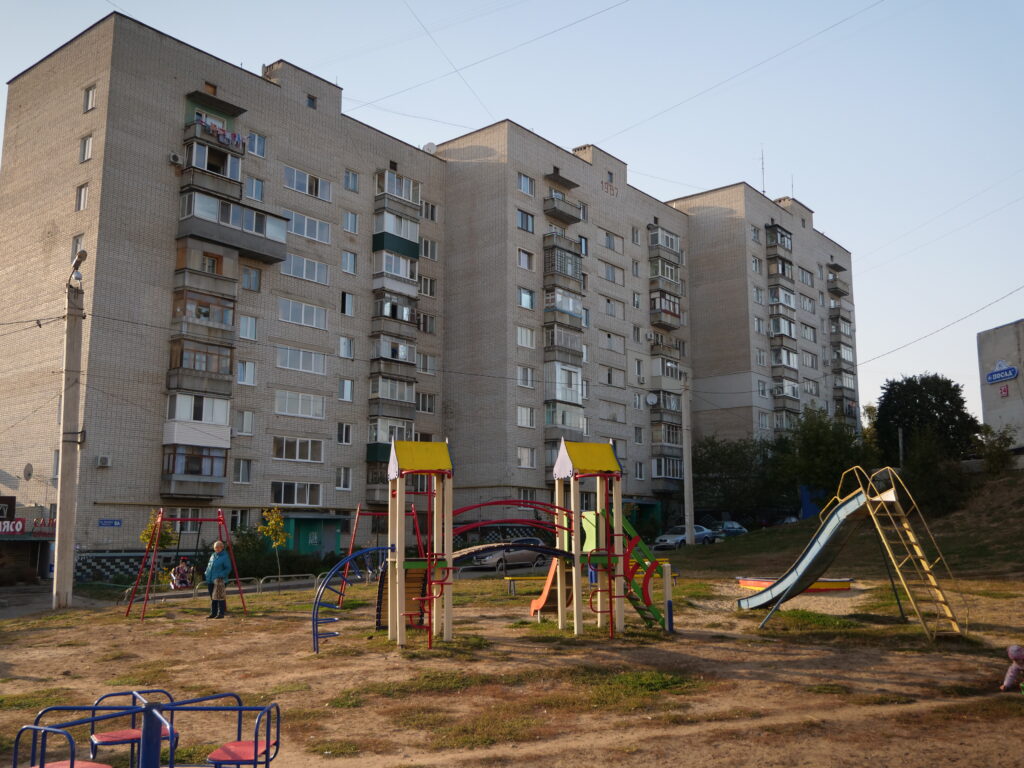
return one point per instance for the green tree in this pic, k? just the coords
(818, 450)
(273, 529)
(995, 448)
(936, 481)
(925, 407)
(168, 536)
(736, 477)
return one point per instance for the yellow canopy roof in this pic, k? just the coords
(412, 456)
(584, 459)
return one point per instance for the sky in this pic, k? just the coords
(894, 120)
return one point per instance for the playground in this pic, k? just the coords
(463, 671)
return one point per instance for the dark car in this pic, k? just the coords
(500, 559)
(725, 529)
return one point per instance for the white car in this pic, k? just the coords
(675, 537)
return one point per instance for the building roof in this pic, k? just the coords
(584, 459)
(415, 456)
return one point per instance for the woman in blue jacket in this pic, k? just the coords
(217, 570)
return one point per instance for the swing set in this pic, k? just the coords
(150, 563)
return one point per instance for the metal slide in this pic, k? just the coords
(845, 518)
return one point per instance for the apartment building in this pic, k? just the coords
(1000, 361)
(772, 315)
(259, 322)
(568, 318)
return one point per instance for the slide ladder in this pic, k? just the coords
(916, 559)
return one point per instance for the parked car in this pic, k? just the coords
(500, 559)
(724, 529)
(675, 537)
(790, 520)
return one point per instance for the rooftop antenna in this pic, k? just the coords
(791, 188)
(762, 169)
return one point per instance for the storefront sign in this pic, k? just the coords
(1002, 371)
(12, 527)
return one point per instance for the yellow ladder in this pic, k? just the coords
(915, 556)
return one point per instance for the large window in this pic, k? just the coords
(186, 353)
(195, 460)
(190, 305)
(526, 184)
(214, 160)
(524, 221)
(232, 215)
(663, 467)
(300, 404)
(394, 264)
(306, 183)
(301, 314)
(526, 457)
(426, 364)
(390, 183)
(303, 360)
(208, 410)
(665, 239)
(288, 494)
(298, 449)
(304, 269)
(561, 300)
(393, 389)
(527, 298)
(394, 348)
(256, 144)
(385, 221)
(383, 430)
(307, 226)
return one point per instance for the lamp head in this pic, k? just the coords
(79, 258)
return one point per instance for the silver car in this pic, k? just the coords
(500, 559)
(675, 537)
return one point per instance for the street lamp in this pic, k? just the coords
(71, 439)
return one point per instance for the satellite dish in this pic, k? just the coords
(652, 399)
(27, 472)
(430, 147)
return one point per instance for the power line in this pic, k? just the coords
(751, 68)
(498, 53)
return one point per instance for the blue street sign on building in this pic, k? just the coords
(1003, 371)
(109, 523)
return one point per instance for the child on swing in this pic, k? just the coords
(1015, 673)
(181, 575)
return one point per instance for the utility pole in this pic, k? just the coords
(72, 438)
(688, 463)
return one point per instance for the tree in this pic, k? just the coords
(273, 529)
(819, 449)
(925, 404)
(168, 536)
(735, 477)
(995, 448)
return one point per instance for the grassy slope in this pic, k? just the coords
(982, 540)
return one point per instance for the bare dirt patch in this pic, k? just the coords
(834, 680)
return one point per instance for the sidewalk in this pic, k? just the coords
(16, 602)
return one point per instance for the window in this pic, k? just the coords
(811, 387)
(254, 188)
(346, 347)
(638, 435)
(390, 263)
(426, 323)
(307, 361)
(756, 265)
(304, 269)
(808, 332)
(351, 181)
(256, 144)
(426, 364)
(525, 416)
(251, 279)
(243, 422)
(762, 420)
(635, 235)
(613, 342)
(614, 308)
(311, 101)
(200, 408)
(350, 222)
(307, 226)
(82, 197)
(526, 184)
(392, 348)
(762, 388)
(786, 388)
(428, 286)
(524, 220)
(344, 433)
(806, 276)
(247, 327)
(844, 352)
(89, 99)
(759, 326)
(527, 298)
(390, 183)
(426, 402)
(611, 273)
(758, 295)
(762, 356)
(343, 478)
(526, 457)
(428, 249)
(387, 388)
(196, 356)
(76, 245)
(786, 357)
(663, 467)
(298, 449)
(302, 314)
(755, 233)
(525, 376)
(806, 303)
(243, 471)
(213, 160)
(584, 212)
(784, 326)
(85, 148)
(584, 245)
(195, 460)
(346, 388)
(288, 494)
(300, 404)
(525, 337)
(638, 470)
(613, 242)
(406, 228)
(385, 430)
(779, 295)
(525, 260)
(348, 304)
(348, 262)
(429, 211)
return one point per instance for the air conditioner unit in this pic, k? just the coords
(771, 334)
(103, 461)
(641, 380)
(175, 158)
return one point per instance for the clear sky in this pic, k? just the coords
(895, 120)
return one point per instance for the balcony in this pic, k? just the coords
(778, 308)
(192, 486)
(391, 409)
(840, 313)
(666, 284)
(385, 201)
(207, 382)
(666, 485)
(253, 233)
(214, 183)
(553, 432)
(782, 340)
(838, 287)
(556, 178)
(661, 415)
(777, 240)
(377, 493)
(780, 371)
(563, 210)
(389, 326)
(786, 403)
(664, 384)
(212, 134)
(555, 240)
(378, 453)
(659, 251)
(665, 350)
(666, 450)
(197, 433)
(843, 366)
(664, 319)
(387, 241)
(779, 277)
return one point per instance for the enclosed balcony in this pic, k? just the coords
(563, 210)
(192, 471)
(837, 286)
(558, 240)
(777, 239)
(253, 233)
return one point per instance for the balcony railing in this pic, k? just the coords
(232, 142)
(563, 210)
(661, 318)
(555, 240)
(838, 287)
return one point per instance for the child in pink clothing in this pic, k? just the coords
(1015, 673)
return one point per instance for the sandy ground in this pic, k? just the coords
(758, 700)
